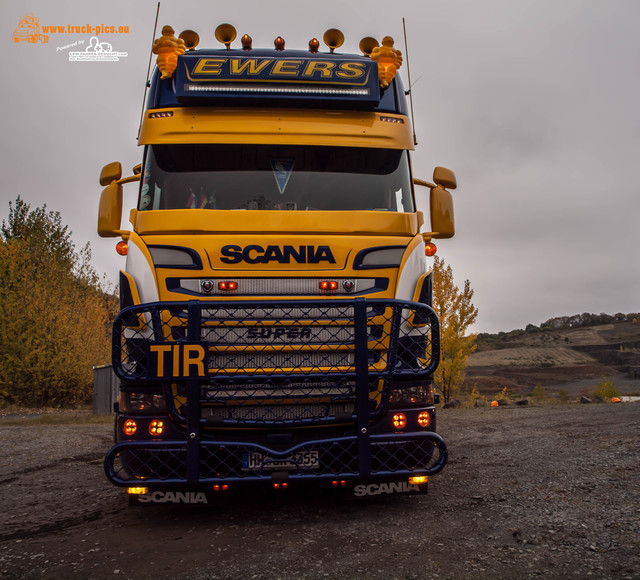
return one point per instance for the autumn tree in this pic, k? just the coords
(456, 313)
(56, 313)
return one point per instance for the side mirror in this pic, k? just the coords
(110, 211)
(440, 203)
(110, 172)
(445, 177)
(441, 209)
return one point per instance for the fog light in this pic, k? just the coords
(137, 490)
(156, 427)
(424, 419)
(399, 420)
(129, 427)
(418, 479)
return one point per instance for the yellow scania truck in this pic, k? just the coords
(276, 327)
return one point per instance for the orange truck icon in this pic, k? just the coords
(29, 29)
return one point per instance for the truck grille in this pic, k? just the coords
(278, 413)
(299, 362)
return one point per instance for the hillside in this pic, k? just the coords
(570, 358)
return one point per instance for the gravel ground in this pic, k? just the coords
(529, 492)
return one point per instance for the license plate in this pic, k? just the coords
(302, 459)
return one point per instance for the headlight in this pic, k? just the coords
(137, 402)
(412, 396)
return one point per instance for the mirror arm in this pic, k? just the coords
(128, 179)
(424, 183)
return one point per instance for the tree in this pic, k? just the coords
(456, 313)
(56, 313)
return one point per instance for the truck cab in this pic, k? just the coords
(276, 325)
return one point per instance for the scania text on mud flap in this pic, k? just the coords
(276, 326)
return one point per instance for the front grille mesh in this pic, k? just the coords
(282, 362)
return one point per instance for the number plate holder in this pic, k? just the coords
(257, 461)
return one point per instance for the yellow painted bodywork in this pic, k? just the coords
(344, 249)
(201, 221)
(290, 127)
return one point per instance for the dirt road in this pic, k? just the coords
(529, 492)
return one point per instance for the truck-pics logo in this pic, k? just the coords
(29, 30)
(284, 255)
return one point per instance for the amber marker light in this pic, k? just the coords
(279, 43)
(156, 427)
(399, 420)
(246, 41)
(121, 247)
(227, 285)
(424, 419)
(129, 427)
(314, 45)
(137, 490)
(328, 285)
(430, 249)
(418, 479)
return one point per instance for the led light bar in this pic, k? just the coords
(284, 90)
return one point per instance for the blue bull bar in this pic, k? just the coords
(281, 365)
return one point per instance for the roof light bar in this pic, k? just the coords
(287, 90)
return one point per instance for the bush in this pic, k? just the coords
(56, 315)
(606, 389)
(538, 393)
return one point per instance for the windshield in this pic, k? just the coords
(275, 177)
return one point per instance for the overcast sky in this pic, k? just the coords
(535, 104)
